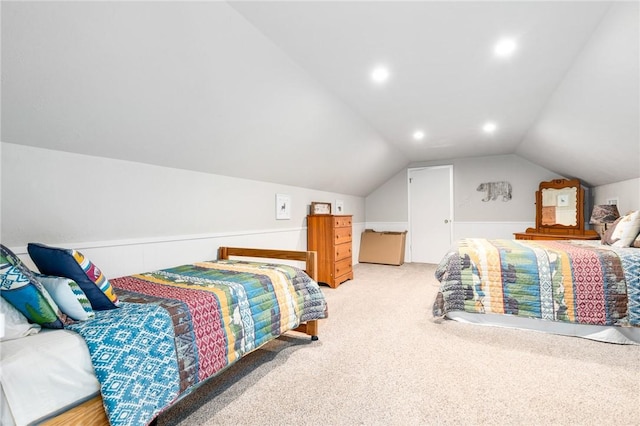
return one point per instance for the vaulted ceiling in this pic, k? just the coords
(281, 91)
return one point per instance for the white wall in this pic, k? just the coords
(387, 207)
(135, 217)
(472, 216)
(389, 202)
(626, 192)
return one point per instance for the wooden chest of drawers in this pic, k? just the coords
(330, 236)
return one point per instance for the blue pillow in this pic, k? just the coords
(20, 287)
(72, 264)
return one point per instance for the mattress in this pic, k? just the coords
(52, 369)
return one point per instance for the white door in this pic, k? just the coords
(430, 212)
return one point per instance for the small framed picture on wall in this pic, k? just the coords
(283, 207)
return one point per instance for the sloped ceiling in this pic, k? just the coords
(280, 91)
(567, 99)
(590, 126)
(190, 85)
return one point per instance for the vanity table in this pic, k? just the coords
(559, 213)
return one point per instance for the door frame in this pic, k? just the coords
(451, 204)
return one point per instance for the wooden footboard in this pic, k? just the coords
(309, 257)
(92, 411)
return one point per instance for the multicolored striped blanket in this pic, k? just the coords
(219, 311)
(572, 281)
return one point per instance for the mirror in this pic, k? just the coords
(559, 206)
(559, 212)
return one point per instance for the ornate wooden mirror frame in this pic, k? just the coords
(559, 212)
(560, 206)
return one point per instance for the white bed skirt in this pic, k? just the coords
(609, 334)
(43, 375)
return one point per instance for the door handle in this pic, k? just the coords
(446, 221)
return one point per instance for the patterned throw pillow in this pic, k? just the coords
(626, 230)
(73, 265)
(20, 287)
(68, 296)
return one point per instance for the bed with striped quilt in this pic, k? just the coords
(578, 282)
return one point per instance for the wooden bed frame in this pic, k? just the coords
(92, 411)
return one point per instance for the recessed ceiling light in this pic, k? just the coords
(418, 135)
(380, 74)
(489, 127)
(505, 47)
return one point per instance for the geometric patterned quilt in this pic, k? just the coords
(222, 310)
(573, 281)
(134, 358)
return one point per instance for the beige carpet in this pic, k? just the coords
(383, 360)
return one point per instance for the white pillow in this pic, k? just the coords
(626, 230)
(15, 324)
(68, 296)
